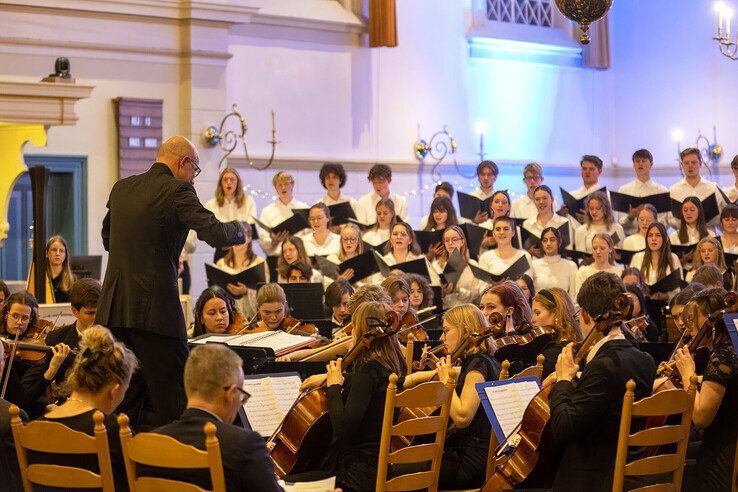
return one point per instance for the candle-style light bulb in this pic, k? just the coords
(728, 14)
(719, 7)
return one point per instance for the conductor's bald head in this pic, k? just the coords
(180, 156)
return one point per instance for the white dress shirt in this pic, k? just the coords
(524, 207)
(341, 199)
(692, 233)
(375, 237)
(274, 214)
(731, 192)
(424, 221)
(554, 271)
(640, 189)
(189, 246)
(704, 189)
(479, 193)
(615, 334)
(584, 234)
(389, 259)
(491, 261)
(634, 242)
(534, 227)
(230, 211)
(588, 270)
(331, 245)
(365, 207)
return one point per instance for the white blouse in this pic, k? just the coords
(274, 214)
(491, 261)
(692, 233)
(587, 271)
(467, 289)
(584, 234)
(376, 237)
(634, 242)
(331, 245)
(554, 271)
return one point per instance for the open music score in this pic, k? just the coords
(279, 341)
(505, 402)
(272, 396)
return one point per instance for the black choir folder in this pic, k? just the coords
(253, 277)
(470, 206)
(455, 265)
(426, 239)
(670, 282)
(576, 205)
(419, 266)
(728, 201)
(341, 213)
(621, 201)
(514, 271)
(296, 223)
(709, 208)
(364, 265)
(474, 237)
(531, 239)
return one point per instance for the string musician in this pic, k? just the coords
(554, 308)
(272, 309)
(356, 402)
(716, 400)
(18, 318)
(586, 407)
(467, 443)
(214, 312)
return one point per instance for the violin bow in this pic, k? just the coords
(13, 350)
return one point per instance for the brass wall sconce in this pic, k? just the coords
(441, 144)
(228, 139)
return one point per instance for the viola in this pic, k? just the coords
(523, 454)
(637, 327)
(410, 324)
(31, 349)
(288, 325)
(302, 439)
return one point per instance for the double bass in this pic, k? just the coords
(302, 439)
(518, 456)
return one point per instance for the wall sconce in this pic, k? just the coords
(481, 129)
(677, 136)
(228, 140)
(441, 144)
(711, 152)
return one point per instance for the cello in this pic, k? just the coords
(304, 435)
(517, 456)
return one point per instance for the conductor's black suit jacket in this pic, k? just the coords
(149, 216)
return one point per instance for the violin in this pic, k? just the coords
(410, 324)
(289, 325)
(637, 327)
(524, 346)
(518, 455)
(302, 439)
(31, 349)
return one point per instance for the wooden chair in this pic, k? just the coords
(430, 394)
(157, 450)
(668, 402)
(56, 438)
(409, 347)
(537, 371)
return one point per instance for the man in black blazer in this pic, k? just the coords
(144, 230)
(214, 382)
(585, 410)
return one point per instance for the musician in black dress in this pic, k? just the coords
(467, 443)
(356, 403)
(716, 401)
(553, 308)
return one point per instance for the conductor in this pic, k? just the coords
(149, 216)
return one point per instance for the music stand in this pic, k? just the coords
(87, 266)
(305, 300)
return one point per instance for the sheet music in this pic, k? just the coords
(509, 402)
(276, 340)
(271, 399)
(327, 485)
(213, 338)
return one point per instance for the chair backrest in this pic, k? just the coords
(537, 371)
(668, 402)
(430, 395)
(409, 348)
(162, 451)
(55, 438)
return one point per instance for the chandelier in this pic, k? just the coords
(724, 18)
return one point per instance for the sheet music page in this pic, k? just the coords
(213, 338)
(262, 409)
(327, 485)
(509, 402)
(286, 390)
(276, 340)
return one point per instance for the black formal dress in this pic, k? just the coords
(465, 451)
(585, 416)
(714, 466)
(246, 462)
(144, 230)
(9, 471)
(34, 384)
(84, 423)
